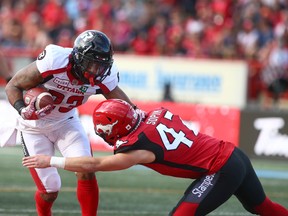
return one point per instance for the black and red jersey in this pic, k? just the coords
(179, 151)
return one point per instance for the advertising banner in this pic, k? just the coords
(265, 133)
(198, 81)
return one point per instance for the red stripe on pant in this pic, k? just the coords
(186, 209)
(43, 206)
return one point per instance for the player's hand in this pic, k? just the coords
(30, 113)
(37, 161)
(141, 113)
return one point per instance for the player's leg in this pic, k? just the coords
(75, 143)
(47, 180)
(251, 194)
(87, 193)
(208, 193)
(194, 195)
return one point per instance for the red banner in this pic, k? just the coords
(221, 122)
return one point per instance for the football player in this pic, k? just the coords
(71, 75)
(162, 142)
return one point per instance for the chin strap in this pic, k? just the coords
(90, 78)
(70, 64)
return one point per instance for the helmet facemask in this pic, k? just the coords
(93, 68)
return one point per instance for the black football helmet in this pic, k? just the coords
(93, 57)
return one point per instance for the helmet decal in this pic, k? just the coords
(86, 36)
(107, 129)
(128, 127)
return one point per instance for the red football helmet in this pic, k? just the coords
(114, 118)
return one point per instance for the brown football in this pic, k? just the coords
(44, 98)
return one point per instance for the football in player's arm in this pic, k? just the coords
(162, 142)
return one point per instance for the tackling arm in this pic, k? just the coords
(119, 161)
(117, 93)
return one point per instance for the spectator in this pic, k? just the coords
(275, 71)
(193, 28)
(265, 32)
(35, 37)
(12, 31)
(54, 16)
(167, 93)
(5, 71)
(247, 38)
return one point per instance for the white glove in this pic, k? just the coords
(141, 113)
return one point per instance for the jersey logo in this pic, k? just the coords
(42, 55)
(201, 188)
(107, 129)
(61, 82)
(83, 89)
(119, 143)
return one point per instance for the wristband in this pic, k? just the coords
(19, 105)
(58, 162)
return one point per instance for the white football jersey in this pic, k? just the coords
(68, 92)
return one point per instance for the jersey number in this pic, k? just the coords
(179, 137)
(73, 101)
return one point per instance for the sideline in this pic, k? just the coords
(272, 174)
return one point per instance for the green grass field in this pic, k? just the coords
(134, 192)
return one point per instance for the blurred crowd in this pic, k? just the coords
(252, 30)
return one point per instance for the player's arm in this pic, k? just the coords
(24, 79)
(119, 161)
(117, 93)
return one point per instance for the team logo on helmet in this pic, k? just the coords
(107, 129)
